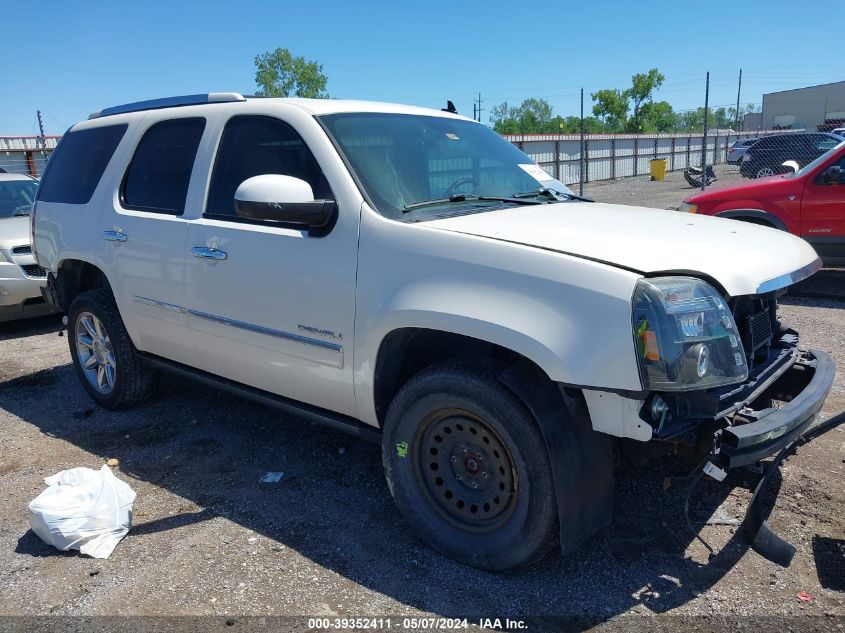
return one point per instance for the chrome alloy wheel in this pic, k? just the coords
(765, 172)
(96, 356)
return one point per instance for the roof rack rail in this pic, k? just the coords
(169, 102)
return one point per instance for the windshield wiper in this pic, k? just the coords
(467, 197)
(554, 194)
(21, 212)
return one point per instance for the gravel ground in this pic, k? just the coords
(666, 194)
(209, 539)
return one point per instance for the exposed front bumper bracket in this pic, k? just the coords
(764, 541)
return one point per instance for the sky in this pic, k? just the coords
(69, 58)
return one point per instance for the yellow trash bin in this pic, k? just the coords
(658, 168)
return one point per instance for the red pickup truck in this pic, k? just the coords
(809, 203)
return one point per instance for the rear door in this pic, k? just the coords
(823, 212)
(143, 233)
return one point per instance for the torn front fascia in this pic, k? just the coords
(764, 541)
(690, 409)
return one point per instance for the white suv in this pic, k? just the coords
(21, 278)
(408, 275)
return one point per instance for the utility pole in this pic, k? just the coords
(581, 153)
(478, 109)
(704, 139)
(738, 90)
(41, 127)
(474, 115)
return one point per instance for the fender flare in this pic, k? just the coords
(757, 214)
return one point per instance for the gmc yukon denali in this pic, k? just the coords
(409, 276)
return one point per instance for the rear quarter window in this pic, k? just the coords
(76, 166)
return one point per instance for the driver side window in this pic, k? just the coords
(256, 145)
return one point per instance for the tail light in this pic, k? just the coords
(32, 230)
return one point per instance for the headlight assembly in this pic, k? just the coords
(685, 336)
(687, 207)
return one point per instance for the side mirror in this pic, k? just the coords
(282, 199)
(833, 175)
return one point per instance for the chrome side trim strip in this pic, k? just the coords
(260, 329)
(787, 279)
(158, 304)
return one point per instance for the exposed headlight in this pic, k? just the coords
(685, 335)
(686, 207)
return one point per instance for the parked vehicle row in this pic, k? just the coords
(409, 276)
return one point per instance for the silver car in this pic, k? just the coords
(21, 278)
(738, 148)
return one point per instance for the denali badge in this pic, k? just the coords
(320, 332)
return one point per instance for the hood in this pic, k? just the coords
(744, 258)
(14, 232)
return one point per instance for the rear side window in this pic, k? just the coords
(75, 168)
(158, 177)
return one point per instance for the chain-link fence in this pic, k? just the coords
(660, 170)
(630, 147)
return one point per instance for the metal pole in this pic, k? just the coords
(583, 144)
(738, 90)
(704, 138)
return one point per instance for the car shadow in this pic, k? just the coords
(30, 327)
(332, 505)
(828, 283)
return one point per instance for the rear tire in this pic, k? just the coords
(468, 468)
(109, 367)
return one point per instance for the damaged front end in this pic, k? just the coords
(766, 415)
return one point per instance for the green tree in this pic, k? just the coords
(279, 74)
(532, 116)
(612, 108)
(657, 116)
(640, 94)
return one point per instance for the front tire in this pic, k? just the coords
(109, 367)
(468, 468)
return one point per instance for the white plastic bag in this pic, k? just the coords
(83, 509)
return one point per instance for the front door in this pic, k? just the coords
(269, 306)
(823, 214)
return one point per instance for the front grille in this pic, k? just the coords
(21, 250)
(759, 330)
(756, 320)
(33, 270)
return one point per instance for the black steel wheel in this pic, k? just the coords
(468, 468)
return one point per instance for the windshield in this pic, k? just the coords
(16, 197)
(451, 165)
(811, 166)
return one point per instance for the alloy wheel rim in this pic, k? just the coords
(765, 172)
(95, 352)
(467, 471)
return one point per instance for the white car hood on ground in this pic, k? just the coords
(14, 232)
(744, 258)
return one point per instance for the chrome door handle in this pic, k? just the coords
(113, 236)
(208, 253)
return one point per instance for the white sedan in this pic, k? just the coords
(21, 278)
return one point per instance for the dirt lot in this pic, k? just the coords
(642, 191)
(209, 539)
